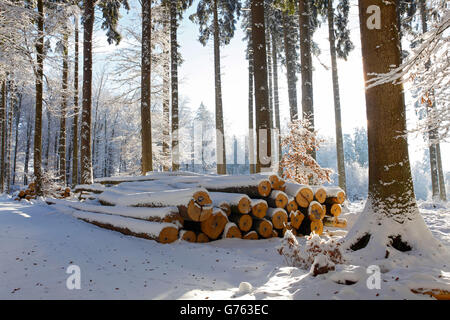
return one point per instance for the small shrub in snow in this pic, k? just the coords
(318, 255)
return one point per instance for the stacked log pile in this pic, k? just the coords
(30, 193)
(198, 208)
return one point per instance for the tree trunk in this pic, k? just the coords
(276, 99)
(16, 143)
(263, 146)
(62, 127)
(391, 201)
(27, 149)
(337, 101)
(75, 111)
(442, 191)
(37, 163)
(166, 101)
(306, 62)
(251, 129)
(220, 134)
(289, 50)
(86, 157)
(12, 103)
(146, 122)
(3, 134)
(174, 87)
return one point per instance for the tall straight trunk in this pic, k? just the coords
(304, 8)
(263, 143)
(47, 144)
(3, 136)
(276, 99)
(37, 163)
(442, 191)
(86, 157)
(337, 100)
(431, 133)
(75, 110)
(105, 149)
(251, 129)
(16, 142)
(269, 75)
(174, 84)
(62, 125)
(391, 190)
(220, 134)
(12, 102)
(166, 101)
(146, 119)
(27, 149)
(289, 51)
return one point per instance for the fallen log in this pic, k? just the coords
(296, 219)
(159, 231)
(277, 199)
(315, 211)
(243, 221)
(303, 194)
(231, 231)
(259, 208)
(291, 205)
(320, 194)
(202, 238)
(239, 203)
(93, 188)
(254, 186)
(335, 222)
(215, 224)
(278, 216)
(163, 214)
(252, 235)
(188, 235)
(438, 294)
(335, 195)
(333, 209)
(317, 226)
(194, 212)
(263, 227)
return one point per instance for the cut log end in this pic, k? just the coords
(315, 211)
(244, 205)
(252, 235)
(245, 222)
(259, 210)
(202, 238)
(233, 232)
(264, 188)
(188, 235)
(279, 219)
(264, 228)
(317, 227)
(214, 225)
(168, 235)
(320, 195)
(202, 198)
(292, 205)
(296, 218)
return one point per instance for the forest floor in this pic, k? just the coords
(38, 244)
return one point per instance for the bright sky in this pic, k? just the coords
(196, 76)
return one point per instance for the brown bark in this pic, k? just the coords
(276, 100)
(39, 96)
(263, 132)
(166, 100)
(390, 184)
(336, 98)
(85, 152)
(146, 59)
(289, 51)
(62, 127)
(304, 8)
(251, 129)
(220, 134)
(174, 85)
(3, 136)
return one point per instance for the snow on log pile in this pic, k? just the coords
(201, 208)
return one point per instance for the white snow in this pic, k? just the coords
(38, 243)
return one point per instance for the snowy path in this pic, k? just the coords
(37, 244)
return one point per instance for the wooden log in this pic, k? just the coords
(291, 205)
(438, 294)
(252, 235)
(287, 227)
(243, 221)
(334, 209)
(254, 186)
(239, 203)
(161, 232)
(21, 194)
(335, 195)
(277, 199)
(278, 216)
(188, 235)
(225, 207)
(202, 197)
(296, 219)
(320, 194)
(93, 188)
(259, 208)
(194, 212)
(335, 222)
(317, 226)
(232, 231)
(215, 224)
(315, 211)
(303, 194)
(263, 227)
(202, 238)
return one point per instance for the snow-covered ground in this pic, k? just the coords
(38, 244)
